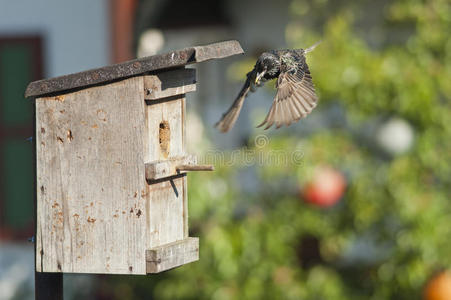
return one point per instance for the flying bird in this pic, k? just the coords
(295, 97)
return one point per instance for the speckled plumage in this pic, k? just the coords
(295, 97)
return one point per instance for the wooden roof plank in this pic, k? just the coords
(134, 67)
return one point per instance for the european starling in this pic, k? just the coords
(295, 97)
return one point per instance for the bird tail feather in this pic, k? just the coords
(229, 118)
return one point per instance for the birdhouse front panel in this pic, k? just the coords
(92, 207)
(165, 99)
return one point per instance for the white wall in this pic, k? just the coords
(76, 33)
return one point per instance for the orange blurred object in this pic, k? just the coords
(122, 17)
(439, 287)
(325, 188)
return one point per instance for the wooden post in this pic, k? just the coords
(48, 286)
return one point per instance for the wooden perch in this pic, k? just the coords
(161, 169)
(165, 168)
(195, 168)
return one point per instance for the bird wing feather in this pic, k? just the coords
(295, 97)
(229, 118)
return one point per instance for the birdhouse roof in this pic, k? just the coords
(134, 67)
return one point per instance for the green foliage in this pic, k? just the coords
(396, 209)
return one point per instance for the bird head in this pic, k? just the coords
(267, 64)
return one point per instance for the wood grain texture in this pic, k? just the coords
(172, 255)
(166, 211)
(169, 113)
(91, 185)
(185, 184)
(169, 83)
(167, 199)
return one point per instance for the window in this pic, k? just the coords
(20, 63)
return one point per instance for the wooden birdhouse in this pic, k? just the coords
(111, 165)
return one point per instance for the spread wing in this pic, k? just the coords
(295, 97)
(229, 117)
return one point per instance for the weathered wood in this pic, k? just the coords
(135, 67)
(165, 168)
(181, 168)
(166, 211)
(167, 199)
(217, 50)
(185, 183)
(172, 255)
(169, 83)
(47, 286)
(167, 114)
(93, 212)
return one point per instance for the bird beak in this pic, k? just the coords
(259, 76)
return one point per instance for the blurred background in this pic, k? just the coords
(351, 203)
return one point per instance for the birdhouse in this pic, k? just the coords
(111, 165)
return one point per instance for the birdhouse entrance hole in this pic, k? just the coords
(165, 137)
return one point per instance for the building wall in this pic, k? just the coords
(76, 33)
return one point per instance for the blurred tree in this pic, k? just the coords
(390, 231)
